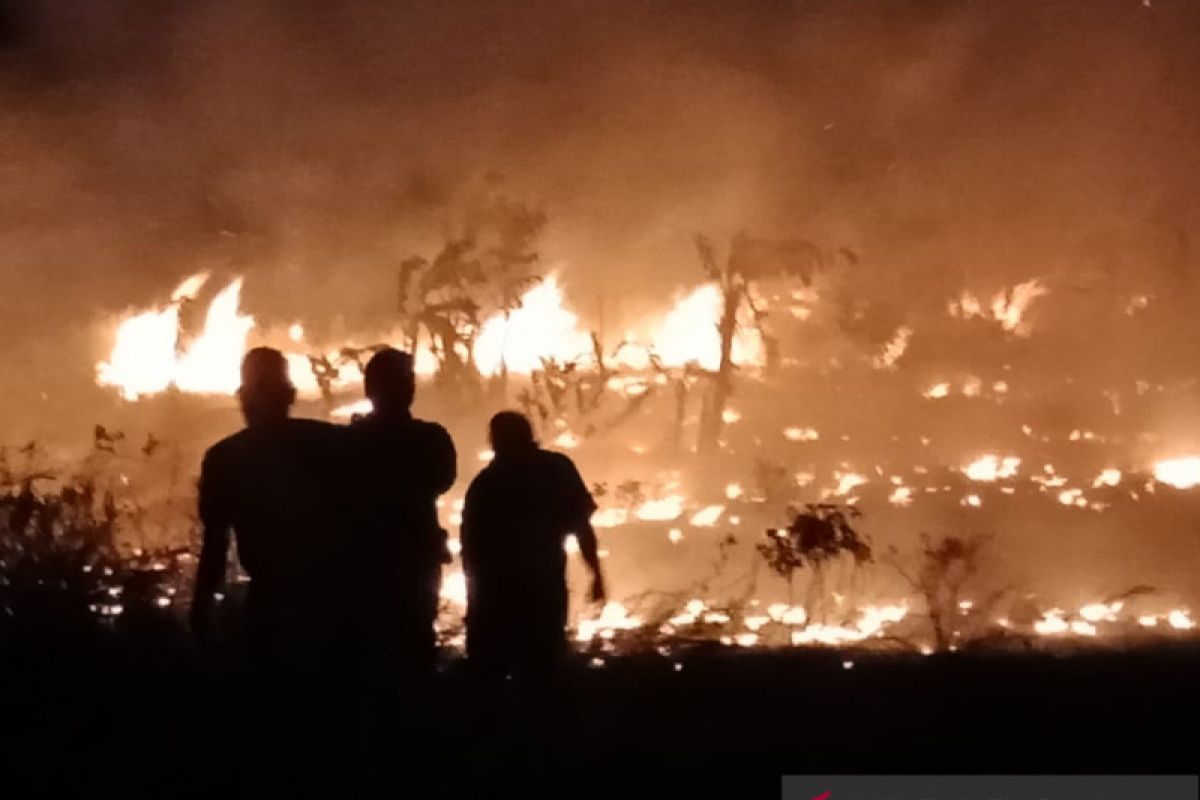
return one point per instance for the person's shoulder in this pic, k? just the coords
(315, 426)
(485, 476)
(223, 458)
(556, 460)
(227, 447)
(430, 428)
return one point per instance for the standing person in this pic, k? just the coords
(274, 486)
(402, 466)
(519, 511)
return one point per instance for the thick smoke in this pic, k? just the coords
(311, 145)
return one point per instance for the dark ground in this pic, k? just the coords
(150, 716)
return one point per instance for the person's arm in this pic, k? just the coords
(214, 553)
(585, 534)
(581, 506)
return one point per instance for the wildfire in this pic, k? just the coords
(688, 333)
(541, 327)
(149, 354)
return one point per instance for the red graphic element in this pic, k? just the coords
(825, 796)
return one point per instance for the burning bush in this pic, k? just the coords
(60, 567)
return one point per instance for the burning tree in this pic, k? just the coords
(749, 261)
(486, 267)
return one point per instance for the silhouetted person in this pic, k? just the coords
(519, 511)
(402, 466)
(276, 486)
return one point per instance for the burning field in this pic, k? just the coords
(765, 479)
(871, 325)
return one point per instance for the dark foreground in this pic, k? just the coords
(153, 718)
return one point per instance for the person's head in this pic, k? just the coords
(510, 434)
(266, 393)
(390, 381)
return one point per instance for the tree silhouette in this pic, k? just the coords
(749, 261)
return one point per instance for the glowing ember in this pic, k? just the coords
(707, 516)
(613, 617)
(566, 440)
(1052, 623)
(662, 510)
(610, 518)
(1180, 620)
(848, 482)
(1101, 612)
(938, 391)
(991, 468)
(795, 434)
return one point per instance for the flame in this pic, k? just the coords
(1181, 620)
(848, 482)
(688, 333)
(937, 391)
(894, 349)
(1182, 473)
(1101, 612)
(707, 516)
(541, 327)
(873, 620)
(1007, 307)
(142, 361)
(1052, 623)
(190, 287)
(612, 618)
(798, 434)
(211, 364)
(661, 510)
(454, 588)
(990, 468)
(146, 358)
(610, 518)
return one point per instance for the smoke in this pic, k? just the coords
(312, 145)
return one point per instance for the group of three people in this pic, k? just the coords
(337, 529)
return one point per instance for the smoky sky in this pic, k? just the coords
(311, 145)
